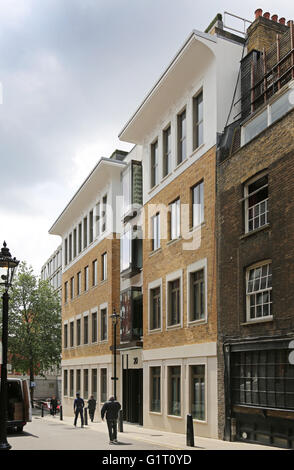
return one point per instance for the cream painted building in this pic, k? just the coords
(176, 126)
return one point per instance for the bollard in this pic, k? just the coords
(190, 431)
(42, 411)
(60, 411)
(121, 427)
(86, 416)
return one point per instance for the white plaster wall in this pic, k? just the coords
(184, 356)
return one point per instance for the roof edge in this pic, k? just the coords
(111, 162)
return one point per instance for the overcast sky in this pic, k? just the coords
(72, 73)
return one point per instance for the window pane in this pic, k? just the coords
(175, 391)
(197, 292)
(154, 164)
(197, 380)
(254, 127)
(259, 291)
(198, 204)
(175, 209)
(155, 389)
(155, 312)
(166, 151)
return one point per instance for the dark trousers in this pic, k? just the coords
(79, 411)
(91, 414)
(112, 429)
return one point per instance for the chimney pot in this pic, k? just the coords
(266, 15)
(274, 17)
(282, 20)
(258, 12)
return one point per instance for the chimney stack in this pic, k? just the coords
(262, 33)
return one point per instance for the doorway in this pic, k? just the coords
(133, 396)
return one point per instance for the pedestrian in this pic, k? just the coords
(92, 407)
(53, 406)
(111, 409)
(79, 409)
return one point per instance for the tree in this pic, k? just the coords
(34, 341)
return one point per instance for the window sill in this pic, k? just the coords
(157, 330)
(174, 327)
(252, 232)
(196, 150)
(202, 321)
(199, 421)
(153, 188)
(154, 252)
(174, 240)
(197, 227)
(175, 417)
(155, 413)
(180, 164)
(259, 320)
(165, 177)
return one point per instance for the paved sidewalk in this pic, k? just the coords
(168, 440)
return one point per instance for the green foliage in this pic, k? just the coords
(34, 342)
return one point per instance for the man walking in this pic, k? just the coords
(111, 409)
(91, 407)
(79, 409)
(53, 405)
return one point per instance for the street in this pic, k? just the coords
(45, 434)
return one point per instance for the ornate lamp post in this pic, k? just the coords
(115, 318)
(8, 266)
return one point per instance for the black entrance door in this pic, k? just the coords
(133, 395)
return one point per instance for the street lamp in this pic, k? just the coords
(8, 266)
(115, 318)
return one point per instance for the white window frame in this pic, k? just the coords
(248, 295)
(86, 314)
(154, 285)
(154, 168)
(166, 151)
(93, 311)
(268, 112)
(103, 306)
(190, 364)
(167, 371)
(94, 272)
(79, 317)
(246, 198)
(197, 266)
(67, 334)
(155, 227)
(169, 278)
(104, 267)
(151, 366)
(175, 219)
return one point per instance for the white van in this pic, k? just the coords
(19, 403)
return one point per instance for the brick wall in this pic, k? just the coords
(273, 151)
(172, 257)
(105, 291)
(262, 33)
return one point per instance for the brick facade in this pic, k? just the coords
(188, 343)
(271, 151)
(104, 292)
(172, 256)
